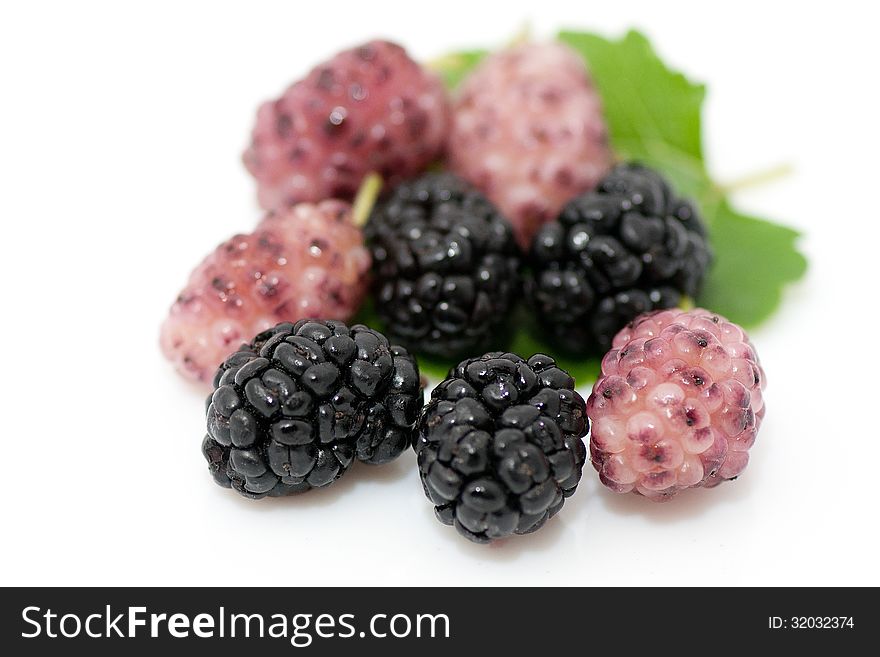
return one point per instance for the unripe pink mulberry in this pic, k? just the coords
(305, 262)
(678, 404)
(368, 109)
(528, 131)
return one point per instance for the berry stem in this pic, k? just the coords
(366, 198)
(445, 63)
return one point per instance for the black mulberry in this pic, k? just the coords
(292, 410)
(627, 248)
(499, 445)
(445, 266)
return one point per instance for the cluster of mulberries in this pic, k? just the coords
(528, 210)
(532, 207)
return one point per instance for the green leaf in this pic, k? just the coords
(526, 342)
(649, 108)
(652, 112)
(654, 115)
(452, 68)
(754, 260)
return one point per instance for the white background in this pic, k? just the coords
(121, 127)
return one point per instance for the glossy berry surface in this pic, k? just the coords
(295, 407)
(307, 261)
(629, 247)
(528, 131)
(678, 404)
(445, 266)
(499, 445)
(368, 109)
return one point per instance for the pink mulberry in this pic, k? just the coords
(369, 109)
(305, 262)
(678, 404)
(528, 131)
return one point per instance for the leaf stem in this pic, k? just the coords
(757, 178)
(522, 36)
